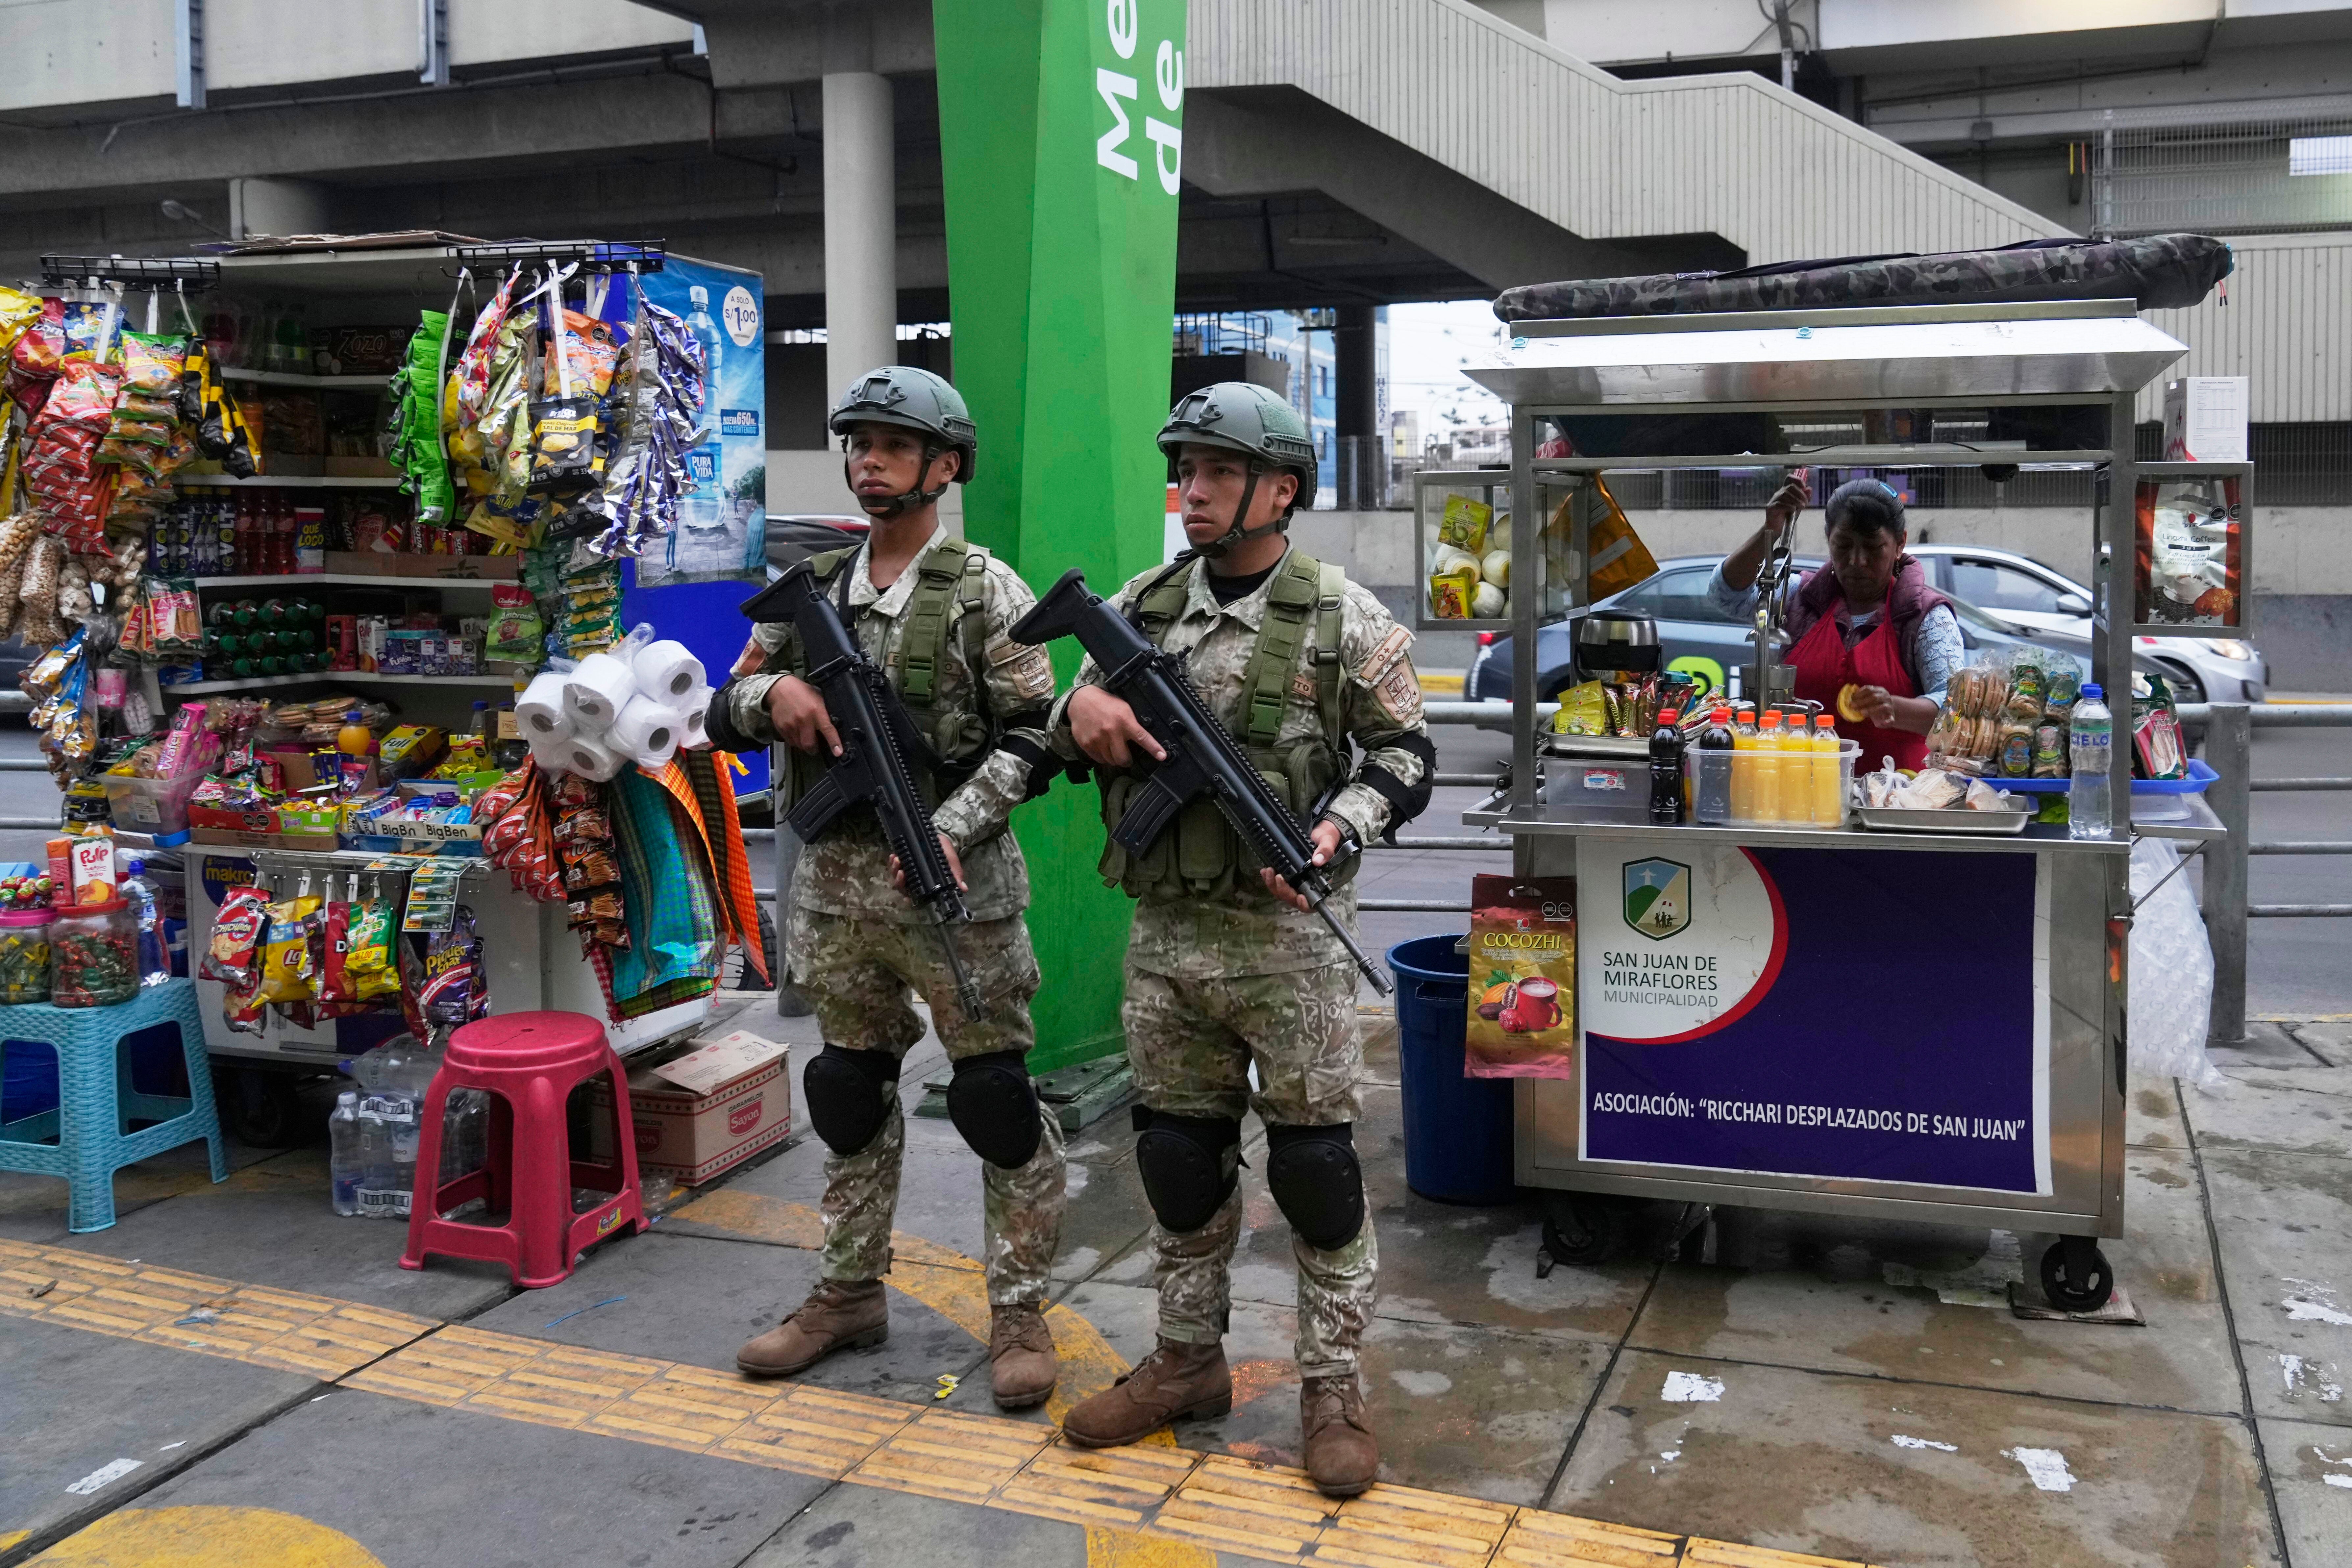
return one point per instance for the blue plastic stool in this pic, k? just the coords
(95, 1097)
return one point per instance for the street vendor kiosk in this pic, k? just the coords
(1827, 1018)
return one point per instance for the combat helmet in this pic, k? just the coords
(914, 399)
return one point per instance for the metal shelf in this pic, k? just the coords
(353, 579)
(334, 676)
(300, 378)
(296, 481)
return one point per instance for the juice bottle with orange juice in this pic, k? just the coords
(1771, 803)
(1829, 790)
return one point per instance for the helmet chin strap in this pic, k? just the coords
(905, 500)
(1225, 542)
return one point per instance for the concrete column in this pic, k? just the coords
(861, 227)
(1354, 363)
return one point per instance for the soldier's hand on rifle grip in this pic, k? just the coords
(1107, 730)
(797, 710)
(955, 867)
(1327, 837)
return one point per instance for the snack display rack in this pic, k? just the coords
(529, 956)
(1821, 1019)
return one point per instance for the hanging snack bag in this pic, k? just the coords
(2156, 749)
(1463, 523)
(1522, 990)
(233, 956)
(452, 991)
(290, 961)
(372, 971)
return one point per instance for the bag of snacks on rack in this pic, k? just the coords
(290, 952)
(453, 990)
(2157, 751)
(1522, 989)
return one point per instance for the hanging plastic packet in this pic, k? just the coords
(243, 1007)
(370, 971)
(564, 452)
(233, 957)
(289, 962)
(452, 991)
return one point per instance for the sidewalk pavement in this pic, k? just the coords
(233, 1374)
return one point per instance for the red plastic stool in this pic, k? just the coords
(529, 1063)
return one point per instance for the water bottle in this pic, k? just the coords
(702, 507)
(388, 1116)
(2090, 810)
(155, 957)
(344, 1152)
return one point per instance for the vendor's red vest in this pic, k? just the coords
(1824, 663)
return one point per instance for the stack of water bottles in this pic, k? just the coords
(374, 1131)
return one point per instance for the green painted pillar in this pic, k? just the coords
(1060, 132)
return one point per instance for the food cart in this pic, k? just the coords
(1828, 1019)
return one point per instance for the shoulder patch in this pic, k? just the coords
(1398, 692)
(1384, 656)
(1025, 667)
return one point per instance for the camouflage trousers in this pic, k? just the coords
(1192, 1044)
(861, 976)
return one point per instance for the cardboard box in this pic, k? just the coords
(702, 1114)
(2205, 419)
(286, 827)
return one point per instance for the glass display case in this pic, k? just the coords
(2192, 569)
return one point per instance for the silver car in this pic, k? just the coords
(2021, 589)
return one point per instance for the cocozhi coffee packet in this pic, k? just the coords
(1522, 1000)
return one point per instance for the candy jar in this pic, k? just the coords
(24, 954)
(93, 955)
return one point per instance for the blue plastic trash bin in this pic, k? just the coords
(1457, 1131)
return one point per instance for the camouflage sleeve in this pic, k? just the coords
(747, 695)
(1381, 704)
(1018, 682)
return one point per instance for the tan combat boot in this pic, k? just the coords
(1342, 1457)
(1021, 1366)
(1176, 1382)
(839, 1314)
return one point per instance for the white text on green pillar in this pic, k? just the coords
(1168, 140)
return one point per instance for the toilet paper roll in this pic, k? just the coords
(667, 669)
(645, 725)
(591, 758)
(540, 711)
(597, 691)
(655, 758)
(693, 717)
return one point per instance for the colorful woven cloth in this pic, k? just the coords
(667, 890)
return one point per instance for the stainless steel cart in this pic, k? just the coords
(1855, 1096)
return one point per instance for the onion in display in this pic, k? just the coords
(1488, 603)
(1495, 568)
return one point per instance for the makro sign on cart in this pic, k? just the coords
(1814, 1012)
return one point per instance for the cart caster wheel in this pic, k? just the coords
(1580, 1227)
(2076, 1276)
(260, 1107)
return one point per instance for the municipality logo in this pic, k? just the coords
(1657, 898)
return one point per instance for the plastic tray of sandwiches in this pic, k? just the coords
(1937, 801)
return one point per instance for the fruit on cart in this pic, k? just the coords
(1848, 708)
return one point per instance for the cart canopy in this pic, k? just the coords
(2163, 271)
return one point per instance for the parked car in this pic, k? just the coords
(15, 657)
(1693, 634)
(797, 536)
(2021, 589)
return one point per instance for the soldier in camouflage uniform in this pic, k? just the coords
(1225, 967)
(931, 610)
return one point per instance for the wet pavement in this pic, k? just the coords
(1853, 1392)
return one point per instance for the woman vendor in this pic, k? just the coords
(1868, 620)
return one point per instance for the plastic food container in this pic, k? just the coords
(93, 955)
(158, 807)
(25, 955)
(1723, 788)
(1599, 789)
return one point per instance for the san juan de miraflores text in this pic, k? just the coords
(1660, 980)
(1846, 1118)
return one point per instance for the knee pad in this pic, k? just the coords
(848, 1094)
(1189, 1164)
(1317, 1183)
(994, 1106)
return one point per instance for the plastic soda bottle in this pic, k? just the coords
(1829, 784)
(1713, 804)
(354, 738)
(2090, 806)
(344, 1152)
(1667, 771)
(1771, 806)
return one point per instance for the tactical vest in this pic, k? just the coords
(1198, 854)
(949, 602)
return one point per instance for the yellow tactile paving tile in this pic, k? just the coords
(1242, 1506)
(947, 1454)
(255, 1324)
(1114, 1487)
(1402, 1527)
(817, 1432)
(1210, 1500)
(1540, 1540)
(1701, 1552)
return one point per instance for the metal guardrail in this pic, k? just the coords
(2228, 750)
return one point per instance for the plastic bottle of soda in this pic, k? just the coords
(1667, 771)
(1713, 806)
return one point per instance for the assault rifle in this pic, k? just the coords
(877, 738)
(1203, 756)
